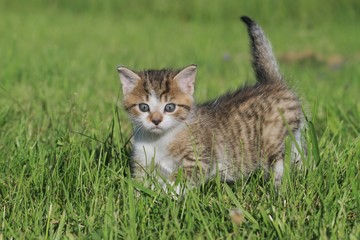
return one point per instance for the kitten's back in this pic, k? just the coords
(247, 128)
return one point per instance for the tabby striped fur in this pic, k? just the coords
(231, 135)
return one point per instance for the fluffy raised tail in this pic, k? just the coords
(263, 59)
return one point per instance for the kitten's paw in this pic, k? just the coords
(175, 191)
(236, 216)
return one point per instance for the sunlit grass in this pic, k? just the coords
(64, 137)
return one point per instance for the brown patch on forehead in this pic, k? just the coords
(158, 81)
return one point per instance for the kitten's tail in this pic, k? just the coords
(263, 59)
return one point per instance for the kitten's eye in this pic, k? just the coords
(170, 107)
(144, 107)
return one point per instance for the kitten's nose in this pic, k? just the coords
(156, 118)
(156, 121)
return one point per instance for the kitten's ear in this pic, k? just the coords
(186, 79)
(128, 79)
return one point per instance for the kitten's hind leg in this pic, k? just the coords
(276, 162)
(296, 147)
(278, 172)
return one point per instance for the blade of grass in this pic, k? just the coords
(59, 231)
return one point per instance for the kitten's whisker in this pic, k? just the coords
(132, 135)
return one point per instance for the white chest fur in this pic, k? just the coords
(153, 150)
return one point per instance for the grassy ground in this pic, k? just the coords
(63, 164)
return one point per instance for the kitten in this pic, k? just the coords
(232, 135)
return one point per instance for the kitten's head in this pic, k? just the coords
(158, 100)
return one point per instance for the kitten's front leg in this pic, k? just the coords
(195, 171)
(155, 175)
(167, 177)
(172, 187)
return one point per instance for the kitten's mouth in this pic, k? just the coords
(156, 130)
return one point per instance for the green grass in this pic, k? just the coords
(63, 160)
